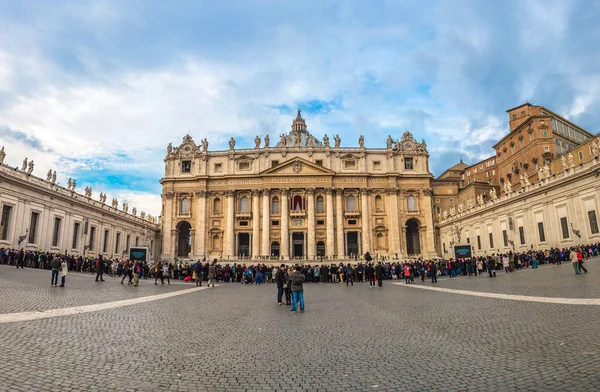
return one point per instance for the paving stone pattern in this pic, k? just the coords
(235, 338)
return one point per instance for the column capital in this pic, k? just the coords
(256, 192)
(310, 191)
(428, 192)
(365, 191)
(265, 192)
(284, 191)
(230, 193)
(392, 191)
(329, 191)
(202, 193)
(338, 191)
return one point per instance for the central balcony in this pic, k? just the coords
(352, 214)
(243, 215)
(298, 213)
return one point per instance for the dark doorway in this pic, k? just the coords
(298, 244)
(320, 248)
(352, 242)
(184, 239)
(243, 244)
(275, 249)
(413, 245)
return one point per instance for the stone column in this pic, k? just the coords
(229, 237)
(339, 212)
(255, 223)
(201, 224)
(312, 238)
(330, 249)
(428, 249)
(365, 217)
(394, 225)
(168, 246)
(284, 247)
(266, 223)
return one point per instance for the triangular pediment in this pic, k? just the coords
(298, 167)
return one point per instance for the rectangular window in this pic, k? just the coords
(186, 166)
(491, 240)
(522, 235)
(127, 243)
(319, 162)
(505, 237)
(546, 148)
(580, 156)
(408, 164)
(117, 244)
(137, 241)
(56, 233)
(92, 238)
(438, 210)
(541, 231)
(320, 223)
(33, 224)
(351, 221)
(377, 165)
(244, 165)
(218, 167)
(479, 242)
(275, 223)
(105, 247)
(274, 163)
(564, 225)
(75, 242)
(4, 223)
(468, 240)
(444, 247)
(243, 223)
(349, 164)
(593, 221)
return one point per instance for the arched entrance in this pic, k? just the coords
(184, 239)
(275, 249)
(413, 244)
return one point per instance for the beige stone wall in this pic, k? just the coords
(27, 194)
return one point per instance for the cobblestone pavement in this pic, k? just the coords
(235, 338)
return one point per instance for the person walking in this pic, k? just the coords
(506, 263)
(297, 282)
(433, 272)
(212, 274)
(55, 265)
(166, 274)
(127, 272)
(379, 271)
(137, 271)
(491, 265)
(580, 262)
(349, 275)
(575, 262)
(198, 271)
(64, 269)
(158, 274)
(99, 269)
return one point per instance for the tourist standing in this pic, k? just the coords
(370, 274)
(297, 282)
(349, 275)
(281, 282)
(212, 274)
(55, 265)
(166, 274)
(64, 269)
(433, 272)
(379, 271)
(137, 271)
(99, 269)
(575, 262)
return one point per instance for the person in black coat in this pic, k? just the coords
(380, 273)
(370, 274)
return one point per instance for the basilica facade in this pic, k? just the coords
(301, 198)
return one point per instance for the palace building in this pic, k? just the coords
(302, 199)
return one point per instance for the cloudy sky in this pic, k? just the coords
(96, 90)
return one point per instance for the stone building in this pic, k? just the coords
(540, 190)
(302, 198)
(39, 214)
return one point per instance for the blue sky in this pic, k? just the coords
(96, 90)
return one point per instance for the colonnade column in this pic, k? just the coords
(200, 237)
(365, 217)
(229, 236)
(312, 246)
(394, 225)
(330, 249)
(168, 242)
(255, 223)
(284, 248)
(266, 224)
(341, 250)
(428, 249)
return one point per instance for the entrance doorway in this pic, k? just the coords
(352, 242)
(413, 244)
(275, 249)
(297, 245)
(243, 244)
(320, 249)
(184, 239)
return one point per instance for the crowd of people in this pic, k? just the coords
(350, 272)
